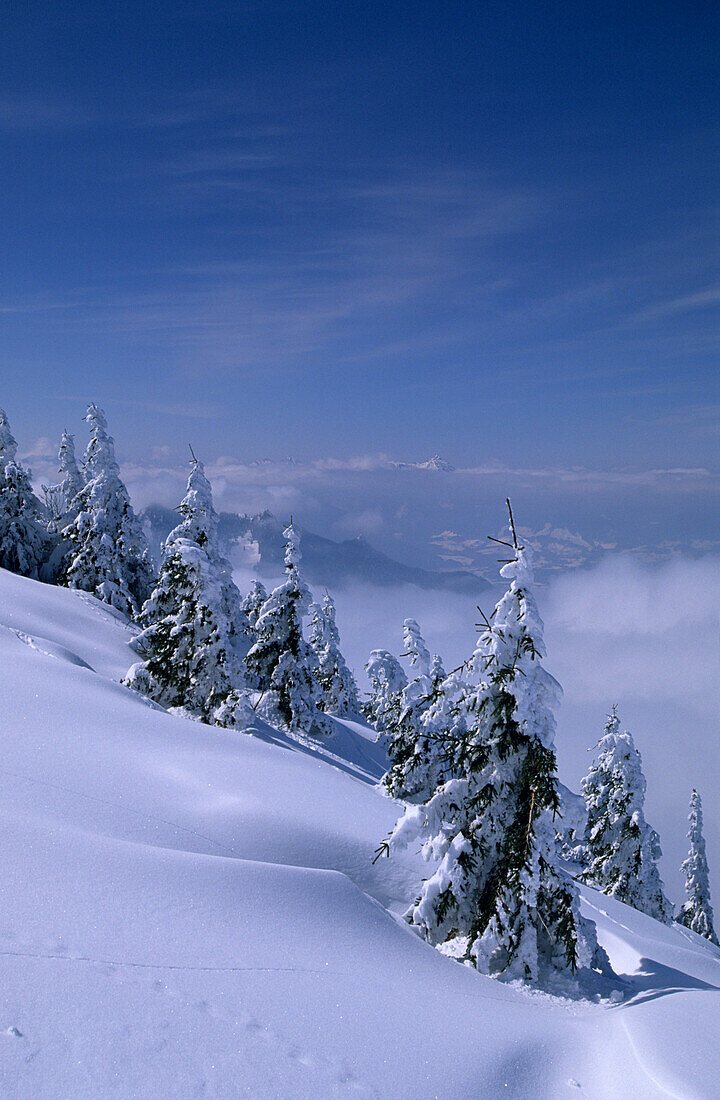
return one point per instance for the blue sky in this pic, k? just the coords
(333, 229)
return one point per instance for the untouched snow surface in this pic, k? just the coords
(189, 912)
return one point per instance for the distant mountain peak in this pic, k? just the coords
(434, 463)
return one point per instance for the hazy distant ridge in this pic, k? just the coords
(257, 540)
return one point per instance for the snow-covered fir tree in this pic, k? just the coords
(60, 498)
(415, 748)
(108, 554)
(415, 649)
(71, 481)
(498, 899)
(431, 723)
(337, 682)
(251, 607)
(194, 636)
(281, 662)
(387, 679)
(8, 442)
(253, 602)
(25, 543)
(697, 913)
(622, 850)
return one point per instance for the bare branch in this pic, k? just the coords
(512, 523)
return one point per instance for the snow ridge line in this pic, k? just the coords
(165, 966)
(33, 642)
(636, 1055)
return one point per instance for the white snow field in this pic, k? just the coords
(191, 912)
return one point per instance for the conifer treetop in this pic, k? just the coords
(281, 664)
(194, 627)
(697, 913)
(25, 542)
(335, 678)
(511, 647)
(387, 681)
(253, 602)
(328, 607)
(8, 443)
(293, 554)
(437, 671)
(100, 453)
(72, 481)
(66, 454)
(617, 753)
(199, 522)
(108, 553)
(415, 648)
(417, 721)
(623, 849)
(384, 670)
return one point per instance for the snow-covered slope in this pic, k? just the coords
(189, 912)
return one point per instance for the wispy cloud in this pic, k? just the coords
(383, 260)
(35, 114)
(688, 303)
(678, 478)
(696, 419)
(368, 256)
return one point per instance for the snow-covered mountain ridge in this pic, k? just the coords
(435, 462)
(191, 911)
